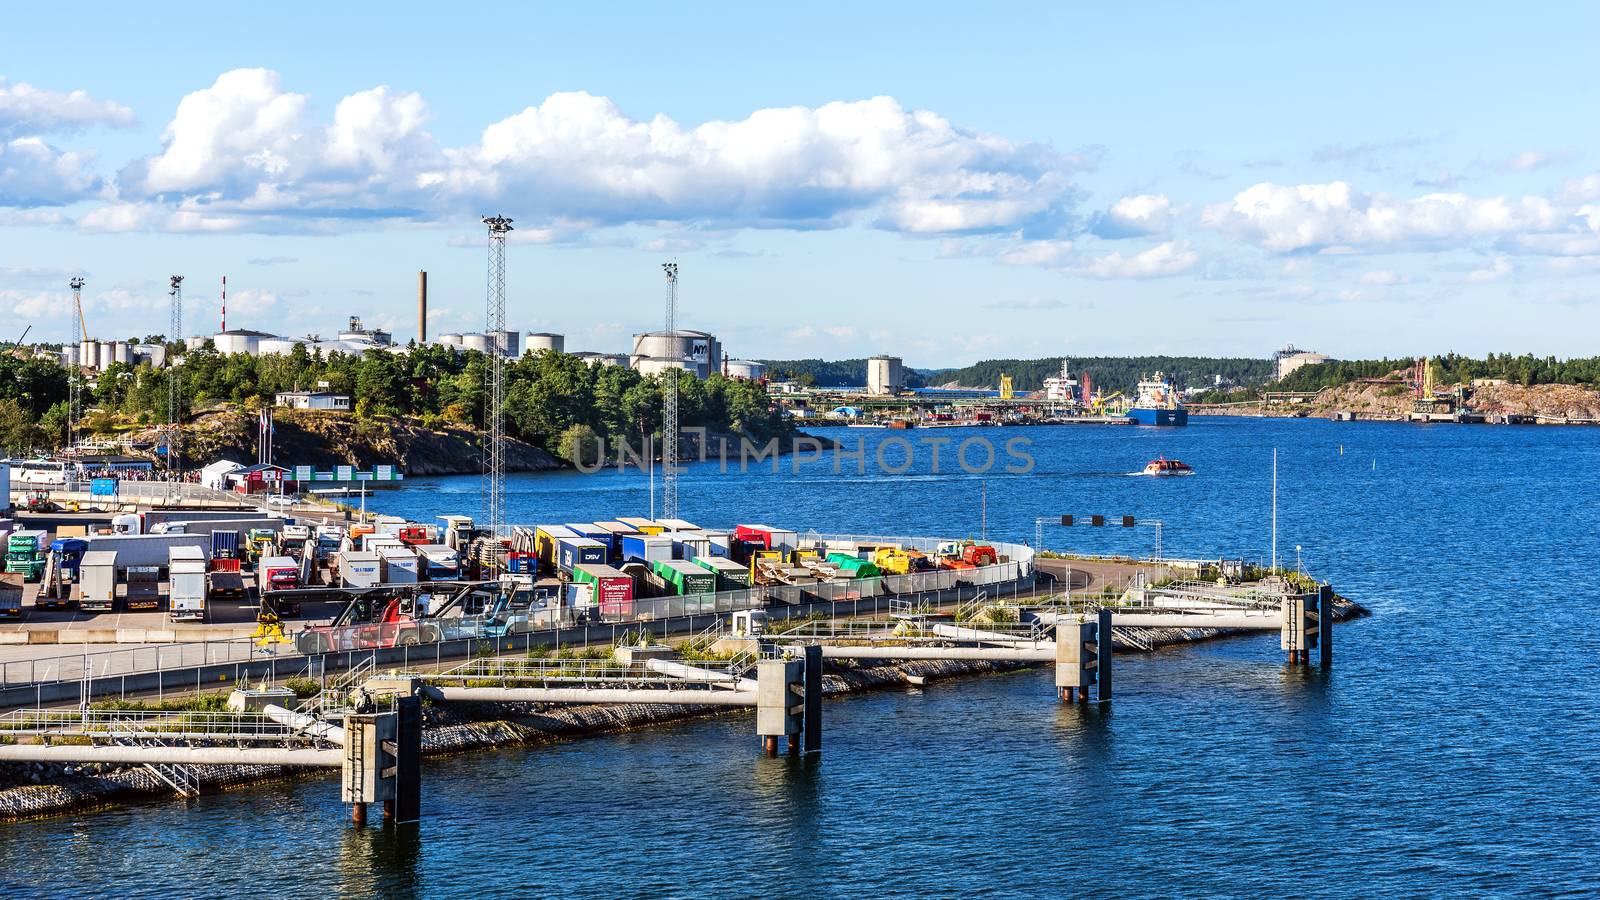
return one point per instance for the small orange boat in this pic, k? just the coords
(1164, 466)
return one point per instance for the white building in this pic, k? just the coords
(313, 400)
(215, 476)
(885, 375)
(698, 349)
(1289, 359)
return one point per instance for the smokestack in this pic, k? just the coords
(422, 307)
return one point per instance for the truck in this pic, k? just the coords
(278, 573)
(141, 587)
(25, 554)
(292, 540)
(224, 544)
(258, 543)
(613, 589)
(646, 548)
(187, 584)
(224, 581)
(979, 555)
(683, 577)
(417, 535)
(97, 581)
(11, 596)
(577, 551)
(61, 573)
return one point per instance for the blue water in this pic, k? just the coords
(1452, 749)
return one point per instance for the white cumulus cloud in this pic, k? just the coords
(1322, 217)
(27, 110)
(1171, 258)
(1136, 216)
(33, 173)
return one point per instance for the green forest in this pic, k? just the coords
(553, 400)
(1449, 369)
(829, 373)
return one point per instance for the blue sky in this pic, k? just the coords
(944, 183)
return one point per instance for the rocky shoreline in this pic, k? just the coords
(37, 790)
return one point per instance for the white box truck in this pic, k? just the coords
(359, 568)
(399, 565)
(186, 584)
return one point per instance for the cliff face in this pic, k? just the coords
(1376, 401)
(326, 439)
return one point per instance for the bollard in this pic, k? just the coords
(1299, 631)
(368, 773)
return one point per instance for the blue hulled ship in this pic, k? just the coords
(1158, 404)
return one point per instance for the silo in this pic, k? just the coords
(473, 340)
(238, 341)
(745, 368)
(280, 346)
(69, 357)
(91, 355)
(544, 340)
(510, 340)
(195, 342)
(123, 351)
(450, 339)
(885, 375)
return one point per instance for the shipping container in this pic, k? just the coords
(595, 533)
(646, 548)
(97, 581)
(721, 543)
(730, 575)
(400, 565)
(613, 588)
(439, 563)
(767, 537)
(225, 544)
(146, 549)
(677, 525)
(643, 526)
(545, 539)
(577, 551)
(684, 577)
(359, 568)
(141, 587)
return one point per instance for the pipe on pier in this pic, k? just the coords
(1266, 620)
(183, 756)
(1004, 654)
(963, 633)
(305, 724)
(599, 695)
(687, 672)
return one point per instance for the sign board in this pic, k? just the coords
(344, 473)
(383, 473)
(302, 473)
(103, 487)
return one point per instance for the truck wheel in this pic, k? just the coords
(409, 639)
(313, 644)
(431, 634)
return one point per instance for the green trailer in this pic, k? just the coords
(26, 554)
(683, 577)
(854, 566)
(730, 575)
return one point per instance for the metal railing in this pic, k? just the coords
(138, 724)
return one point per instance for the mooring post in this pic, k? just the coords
(1103, 653)
(407, 803)
(370, 762)
(1325, 623)
(1076, 667)
(780, 696)
(812, 724)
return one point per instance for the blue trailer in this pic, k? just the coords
(595, 533)
(646, 548)
(579, 551)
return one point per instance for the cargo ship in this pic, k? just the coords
(1158, 404)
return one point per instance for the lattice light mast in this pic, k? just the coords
(75, 402)
(174, 395)
(495, 325)
(669, 398)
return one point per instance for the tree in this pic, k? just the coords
(579, 445)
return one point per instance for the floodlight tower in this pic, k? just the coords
(495, 325)
(74, 402)
(174, 333)
(669, 396)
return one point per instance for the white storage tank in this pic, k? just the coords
(69, 357)
(473, 340)
(511, 342)
(123, 352)
(655, 366)
(544, 340)
(154, 354)
(699, 346)
(239, 340)
(280, 346)
(745, 368)
(89, 354)
(450, 339)
(194, 343)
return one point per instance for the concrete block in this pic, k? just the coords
(629, 656)
(254, 700)
(779, 697)
(396, 685)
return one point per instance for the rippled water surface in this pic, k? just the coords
(1452, 749)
